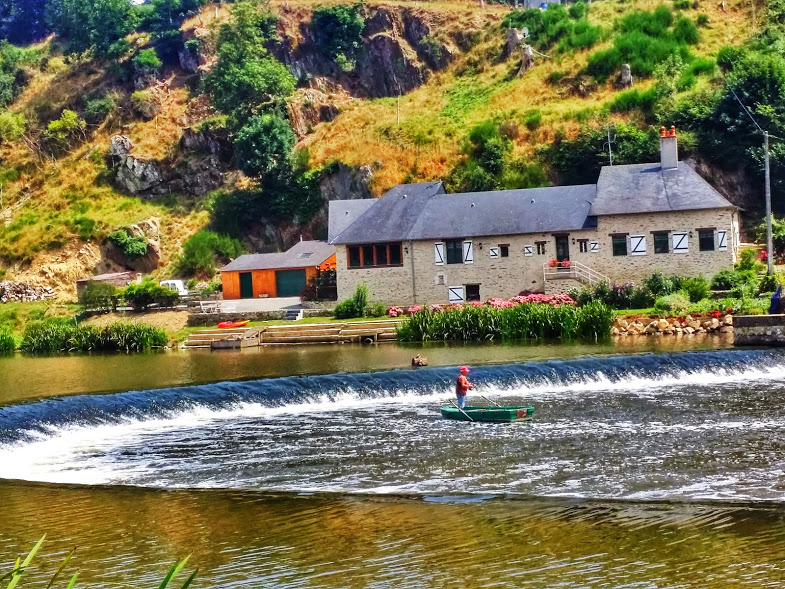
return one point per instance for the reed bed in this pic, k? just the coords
(7, 341)
(57, 335)
(527, 321)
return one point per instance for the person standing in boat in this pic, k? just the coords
(462, 386)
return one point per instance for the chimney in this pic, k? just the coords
(669, 152)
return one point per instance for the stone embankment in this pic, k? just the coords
(18, 292)
(687, 325)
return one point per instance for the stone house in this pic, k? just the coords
(419, 245)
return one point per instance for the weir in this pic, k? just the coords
(759, 330)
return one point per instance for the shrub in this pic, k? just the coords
(702, 20)
(377, 309)
(696, 288)
(659, 284)
(357, 306)
(65, 131)
(141, 296)
(97, 109)
(99, 296)
(145, 103)
(729, 279)
(673, 303)
(569, 29)
(133, 247)
(532, 119)
(204, 250)
(7, 341)
(12, 126)
(629, 100)
(147, 59)
(264, 146)
(338, 31)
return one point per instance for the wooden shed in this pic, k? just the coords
(276, 275)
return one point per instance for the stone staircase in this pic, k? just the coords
(360, 331)
(293, 314)
(242, 337)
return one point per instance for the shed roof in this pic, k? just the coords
(303, 254)
(127, 275)
(343, 213)
(648, 188)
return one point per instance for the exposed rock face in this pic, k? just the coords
(309, 107)
(344, 182)
(205, 140)
(417, 31)
(149, 229)
(514, 39)
(144, 77)
(133, 174)
(388, 68)
(195, 56)
(197, 176)
(625, 77)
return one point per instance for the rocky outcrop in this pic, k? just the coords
(389, 68)
(150, 230)
(688, 325)
(132, 174)
(214, 141)
(196, 55)
(21, 292)
(342, 182)
(309, 107)
(197, 176)
(527, 59)
(419, 33)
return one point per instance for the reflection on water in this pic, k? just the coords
(127, 537)
(24, 378)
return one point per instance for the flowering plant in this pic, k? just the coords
(414, 309)
(437, 308)
(395, 311)
(565, 263)
(553, 263)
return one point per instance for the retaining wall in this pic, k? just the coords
(759, 330)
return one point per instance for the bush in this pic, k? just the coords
(696, 288)
(99, 296)
(264, 146)
(643, 100)
(357, 306)
(97, 109)
(132, 247)
(532, 119)
(142, 296)
(145, 103)
(659, 284)
(147, 59)
(702, 20)
(568, 28)
(62, 133)
(204, 250)
(12, 126)
(675, 303)
(7, 341)
(376, 310)
(729, 279)
(338, 31)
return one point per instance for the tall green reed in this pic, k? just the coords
(57, 335)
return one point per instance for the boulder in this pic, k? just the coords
(726, 329)
(615, 331)
(136, 175)
(120, 146)
(689, 330)
(715, 323)
(663, 324)
(625, 77)
(419, 360)
(728, 320)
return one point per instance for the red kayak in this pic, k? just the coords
(232, 324)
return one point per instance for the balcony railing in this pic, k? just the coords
(576, 271)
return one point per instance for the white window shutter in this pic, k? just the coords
(680, 242)
(468, 253)
(594, 247)
(438, 254)
(637, 245)
(494, 252)
(528, 250)
(722, 240)
(455, 294)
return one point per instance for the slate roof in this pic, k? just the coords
(303, 254)
(392, 216)
(427, 212)
(343, 213)
(647, 188)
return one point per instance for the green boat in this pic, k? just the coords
(489, 413)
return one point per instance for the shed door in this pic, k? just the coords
(246, 285)
(289, 283)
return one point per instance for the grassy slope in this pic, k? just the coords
(435, 118)
(49, 204)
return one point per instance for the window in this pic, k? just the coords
(619, 245)
(504, 252)
(472, 292)
(375, 255)
(454, 252)
(354, 256)
(541, 248)
(583, 245)
(706, 240)
(661, 243)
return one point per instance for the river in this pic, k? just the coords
(329, 466)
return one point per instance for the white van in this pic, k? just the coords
(177, 286)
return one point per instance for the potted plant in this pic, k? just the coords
(553, 263)
(565, 263)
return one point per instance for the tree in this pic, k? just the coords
(23, 21)
(245, 78)
(264, 146)
(95, 25)
(338, 30)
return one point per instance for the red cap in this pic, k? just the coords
(464, 369)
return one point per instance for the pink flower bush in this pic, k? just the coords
(437, 308)
(476, 304)
(414, 309)
(395, 312)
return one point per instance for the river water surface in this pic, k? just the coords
(661, 469)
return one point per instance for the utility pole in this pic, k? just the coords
(769, 252)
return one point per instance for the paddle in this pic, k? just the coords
(454, 404)
(489, 400)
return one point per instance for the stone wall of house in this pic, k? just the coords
(507, 276)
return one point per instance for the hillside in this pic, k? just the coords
(413, 92)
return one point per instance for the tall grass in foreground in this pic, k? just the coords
(7, 341)
(525, 321)
(58, 335)
(20, 570)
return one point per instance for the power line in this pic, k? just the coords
(750, 115)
